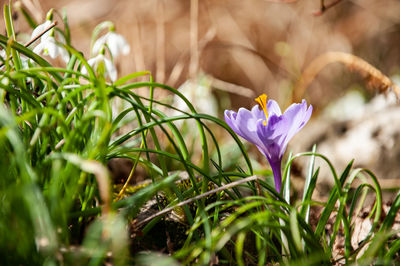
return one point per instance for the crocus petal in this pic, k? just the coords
(230, 117)
(296, 116)
(235, 120)
(273, 108)
(272, 137)
(247, 125)
(258, 113)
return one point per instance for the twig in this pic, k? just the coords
(374, 77)
(180, 204)
(324, 7)
(34, 39)
(231, 88)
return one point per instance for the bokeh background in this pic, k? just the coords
(239, 49)
(258, 44)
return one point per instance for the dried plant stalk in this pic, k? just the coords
(374, 77)
(160, 42)
(194, 46)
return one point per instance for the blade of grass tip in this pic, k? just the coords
(11, 35)
(391, 253)
(286, 196)
(286, 188)
(330, 205)
(310, 190)
(307, 200)
(309, 176)
(67, 32)
(31, 21)
(363, 188)
(391, 215)
(126, 78)
(294, 229)
(70, 67)
(378, 196)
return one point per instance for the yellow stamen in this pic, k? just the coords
(262, 101)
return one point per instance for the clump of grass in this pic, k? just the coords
(59, 206)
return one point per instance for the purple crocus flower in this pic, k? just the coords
(270, 130)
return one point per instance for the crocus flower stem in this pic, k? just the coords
(277, 171)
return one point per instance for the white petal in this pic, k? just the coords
(112, 42)
(122, 44)
(60, 37)
(3, 54)
(64, 54)
(92, 62)
(84, 70)
(99, 44)
(39, 48)
(126, 49)
(52, 47)
(111, 69)
(115, 42)
(39, 29)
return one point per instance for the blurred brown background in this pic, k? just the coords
(261, 46)
(258, 44)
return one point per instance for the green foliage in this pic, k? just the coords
(58, 132)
